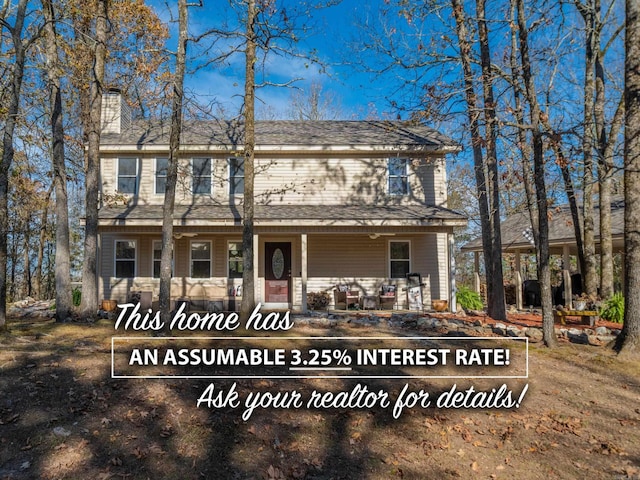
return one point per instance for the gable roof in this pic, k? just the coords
(561, 231)
(277, 133)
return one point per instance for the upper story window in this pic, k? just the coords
(236, 176)
(201, 259)
(128, 175)
(161, 175)
(398, 176)
(399, 258)
(201, 176)
(125, 259)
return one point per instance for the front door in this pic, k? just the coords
(277, 271)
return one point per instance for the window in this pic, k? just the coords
(200, 259)
(161, 175)
(201, 176)
(234, 257)
(128, 175)
(399, 259)
(157, 258)
(236, 176)
(125, 259)
(398, 177)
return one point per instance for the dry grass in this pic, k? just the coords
(63, 417)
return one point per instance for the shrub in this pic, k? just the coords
(76, 295)
(318, 300)
(613, 308)
(468, 299)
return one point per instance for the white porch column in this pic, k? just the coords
(518, 281)
(566, 276)
(453, 302)
(303, 267)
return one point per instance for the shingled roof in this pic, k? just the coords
(326, 215)
(323, 133)
(561, 231)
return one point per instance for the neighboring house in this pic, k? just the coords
(361, 203)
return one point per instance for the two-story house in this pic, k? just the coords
(359, 203)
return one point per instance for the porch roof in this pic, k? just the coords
(289, 215)
(561, 231)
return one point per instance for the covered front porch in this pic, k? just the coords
(292, 257)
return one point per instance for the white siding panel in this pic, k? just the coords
(329, 181)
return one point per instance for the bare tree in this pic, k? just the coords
(495, 284)
(628, 342)
(605, 142)
(64, 302)
(172, 165)
(248, 289)
(488, 199)
(542, 237)
(17, 75)
(313, 104)
(588, 147)
(89, 303)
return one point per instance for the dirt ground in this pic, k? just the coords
(62, 416)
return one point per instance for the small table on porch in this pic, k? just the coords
(369, 302)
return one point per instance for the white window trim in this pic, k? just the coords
(153, 260)
(210, 175)
(406, 174)
(397, 259)
(137, 175)
(201, 260)
(135, 259)
(155, 173)
(227, 255)
(230, 177)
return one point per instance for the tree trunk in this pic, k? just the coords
(495, 295)
(527, 180)
(7, 149)
(542, 245)
(628, 342)
(172, 166)
(488, 241)
(64, 302)
(589, 283)
(89, 303)
(41, 243)
(606, 169)
(26, 261)
(248, 285)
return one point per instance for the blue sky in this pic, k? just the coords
(358, 94)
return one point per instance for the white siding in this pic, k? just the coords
(299, 180)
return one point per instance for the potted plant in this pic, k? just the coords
(440, 305)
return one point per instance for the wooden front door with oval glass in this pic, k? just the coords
(277, 271)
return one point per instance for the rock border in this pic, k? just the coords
(598, 336)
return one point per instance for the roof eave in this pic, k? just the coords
(430, 150)
(231, 222)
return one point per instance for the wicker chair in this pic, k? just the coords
(388, 296)
(344, 297)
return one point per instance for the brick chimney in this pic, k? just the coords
(116, 114)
